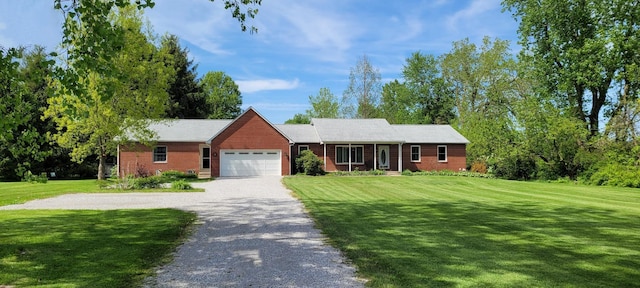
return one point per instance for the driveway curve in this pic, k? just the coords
(252, 233)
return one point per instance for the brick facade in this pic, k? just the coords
(249, 131)
(139, 158)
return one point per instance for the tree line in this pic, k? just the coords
(565, 107)
(64, 113)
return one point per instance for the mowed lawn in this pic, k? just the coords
(20, 192)
(436, 231)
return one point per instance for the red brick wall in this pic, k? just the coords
(180, 156)
(456, 157)
(249, 131)
(368, 156)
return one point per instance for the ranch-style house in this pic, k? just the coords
(251, 146)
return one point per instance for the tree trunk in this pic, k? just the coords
(101, 165)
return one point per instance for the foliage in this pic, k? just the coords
(515, 166)
(151, 182)
(186, 98)
(362, 96)
(173, 175)
(299, 119)
(223, 99)
(108, 106)
(460, 232)
(41, 178)
(479, 167)
(324, 105)
(309, 164)
(447, 173)
(358, 172)
(583, 52)
(120, 248)
(181, 185)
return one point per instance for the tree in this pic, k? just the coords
(360, 99)
(299, 118)
(222, 96)
(187, 100)
(324, 105)
(582, 51)
(483, 85)
(435, 101)
(399, 105)
(116, 104)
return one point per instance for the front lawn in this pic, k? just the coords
(21, 192)
(435, 231)
(86, 248)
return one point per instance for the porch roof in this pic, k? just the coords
(342, 131)
(432, 134)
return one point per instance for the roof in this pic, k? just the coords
(250, 109)
(430, 134)
(300, 133)
(187, 130)
(355, 131)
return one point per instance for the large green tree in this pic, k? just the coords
(398, 104)
(187, 101)
(362, 96)
(222, 96)
(108, 105)
(324, 105)
(584, 52)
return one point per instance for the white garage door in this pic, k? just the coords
(250, 163)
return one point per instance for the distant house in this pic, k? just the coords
(251, 146)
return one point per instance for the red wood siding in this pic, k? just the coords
(180, 156)
(250, 131)
(456, 157)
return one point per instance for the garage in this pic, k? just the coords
(242, 163)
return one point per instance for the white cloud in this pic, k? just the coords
(473, 11)
(251, 86)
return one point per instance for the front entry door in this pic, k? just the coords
(383, 157)
(205, 161)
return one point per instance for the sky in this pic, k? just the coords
(300, 47)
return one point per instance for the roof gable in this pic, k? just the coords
(246, 114)
(187, 130)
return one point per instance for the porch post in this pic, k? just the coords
(375, 156)
(349, 157)
(399, 157)
(325, 156)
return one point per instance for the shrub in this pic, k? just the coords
(309, 164)
(181, 185)
(29, 177)
(479, 167)
(516, 167)
(150, 182)
(617, 175)
(407, 172)
(174, 174)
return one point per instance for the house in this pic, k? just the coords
(251, 146)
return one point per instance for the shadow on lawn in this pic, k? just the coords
(85, 248)
(474, 244)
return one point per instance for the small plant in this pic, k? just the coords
(174, 174)
(29, 177)
(479, 167)
(150, 182)
(181, 185)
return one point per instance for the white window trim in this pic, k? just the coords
(446, 153)
(300, 146)
(166, 154)
(347, 147)
(419, 153)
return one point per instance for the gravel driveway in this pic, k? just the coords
(253, 233)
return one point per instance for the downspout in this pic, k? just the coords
(118, 162)
(325, 156)
(400, 157)
(375, 156)
(349, 157)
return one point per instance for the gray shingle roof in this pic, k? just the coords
(188, 130)
(355, 131)
(299, 133)
(430, 134)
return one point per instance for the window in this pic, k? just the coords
(442, 153)
(160, 154)
(302, 148)
(342, 154)
(206, 158)
(415, 153)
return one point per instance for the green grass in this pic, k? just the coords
(433, 231)
(86, 248)
(20, 192)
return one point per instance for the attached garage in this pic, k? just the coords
(242, 163)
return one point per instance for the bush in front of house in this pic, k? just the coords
(181, 185)
(174, 175)
(309, 164)
(151, 182)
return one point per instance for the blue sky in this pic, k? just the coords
(301, 46)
